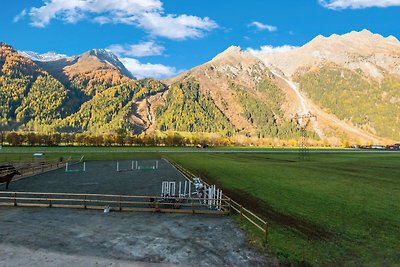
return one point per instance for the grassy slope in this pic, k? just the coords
(352, 197)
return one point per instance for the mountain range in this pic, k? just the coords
(350, 84)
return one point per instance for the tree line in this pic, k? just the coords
(169, 139)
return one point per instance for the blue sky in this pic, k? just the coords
(160, 38)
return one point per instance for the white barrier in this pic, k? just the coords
(75, 170)
(212, 197)
(134, 166)
(168, 189)
(147, 167)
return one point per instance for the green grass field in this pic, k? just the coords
(337, 209)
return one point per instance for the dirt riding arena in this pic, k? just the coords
(78, 237)
(101, 177)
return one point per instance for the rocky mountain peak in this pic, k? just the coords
(363, 50)
(107, 57)
(233, 53)
(49, 56)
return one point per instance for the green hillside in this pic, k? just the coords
(266, 113)
(188, 110)
(110, 109)
(27, 92)
(352, 96)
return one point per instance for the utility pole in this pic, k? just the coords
(303, 120)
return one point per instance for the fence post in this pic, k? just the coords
(15, 199)
(50, 204)
(120, 204)
(230, 206)
(266, 233)
(84, 203)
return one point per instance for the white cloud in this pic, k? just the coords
(19, 16)
(262, 27)
(148, 70)
(142, 49)
(146, 14)
(269, 49)
(176, 27)
(357, 4)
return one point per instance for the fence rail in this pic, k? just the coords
(245, 213)
(114, 202)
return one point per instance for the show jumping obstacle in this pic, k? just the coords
(210, 196)
(135, 166)
(67, 169)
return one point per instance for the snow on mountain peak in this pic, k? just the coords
(49, 56)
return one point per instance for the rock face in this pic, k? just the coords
(371, 53)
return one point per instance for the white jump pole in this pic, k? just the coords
(214, 191)
(117, 166)
(180, 184)
(136, 164)
(163, 188)
(217, 199)
(173, 193)
(132, 165)
(84, 166)
(184, 188)
(210, 196)
(66, 166)
(190, 189)
(157, 165)
(220, 199)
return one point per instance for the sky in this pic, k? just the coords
(161, 38)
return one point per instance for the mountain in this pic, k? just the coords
(371, 53)
(49, 56)
(352, 79)
(92, 71)
(350, 82)
(244, 96)
(48, 96)
(27, 92)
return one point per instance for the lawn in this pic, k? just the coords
(335, 209)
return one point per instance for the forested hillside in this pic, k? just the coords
(110, 109)
(27, 93)
(351, 96)
(88, 96)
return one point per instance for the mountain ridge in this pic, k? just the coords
(236, 93)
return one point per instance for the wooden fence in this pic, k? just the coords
(114, 202)
(245, 213)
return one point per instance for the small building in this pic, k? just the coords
(39, 157)
(378, 147)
